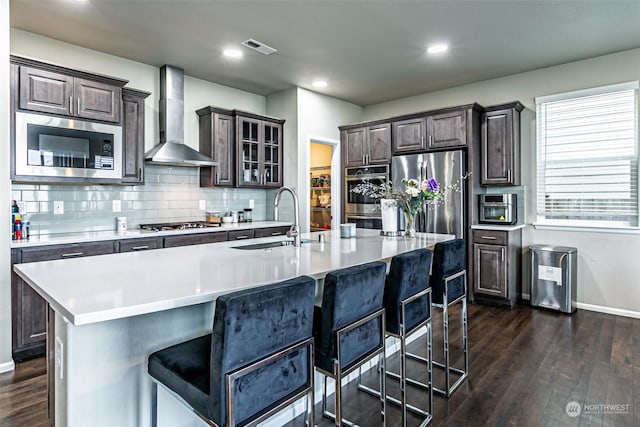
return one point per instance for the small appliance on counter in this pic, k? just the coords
(497, 208)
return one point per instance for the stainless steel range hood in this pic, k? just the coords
(172, 150)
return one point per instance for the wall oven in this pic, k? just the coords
(361, 209)
(61, 148)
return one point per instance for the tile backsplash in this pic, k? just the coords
(169, 194)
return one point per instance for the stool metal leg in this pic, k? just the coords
(463, 373)
(154, 404)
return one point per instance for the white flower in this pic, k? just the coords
(412, 191)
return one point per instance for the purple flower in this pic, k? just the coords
(432, 184)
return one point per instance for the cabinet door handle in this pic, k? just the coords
(71, 105)
(276, 233)
(242, 237)
(72, 254)
(78, 110)
(508, 175)
(139, 248)
(488, 237)
(363, 161)
(502, 254)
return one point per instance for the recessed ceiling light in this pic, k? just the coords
(320, 83)
(437, 48)
(232, 53)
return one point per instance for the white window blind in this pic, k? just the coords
(587, 157)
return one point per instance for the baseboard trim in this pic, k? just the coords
(7, 366)
(609, 310)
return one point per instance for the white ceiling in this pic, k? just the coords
(369, 51)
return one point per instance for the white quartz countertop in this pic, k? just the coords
(106, 287)
(96, 236)
(497, 227)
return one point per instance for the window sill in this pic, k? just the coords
(583, 229)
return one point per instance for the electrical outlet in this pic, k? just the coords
(58, 207)
(59, 357)
(250, 203)
(117, 205)
(203, 205)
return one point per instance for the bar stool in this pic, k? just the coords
(449, 286)
(348, 328)
(407, 305)
(257, 360)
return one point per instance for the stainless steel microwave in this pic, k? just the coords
(55, 147)
(497, 208)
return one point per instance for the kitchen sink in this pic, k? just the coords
(265, 245)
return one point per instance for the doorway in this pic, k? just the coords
(324, 185)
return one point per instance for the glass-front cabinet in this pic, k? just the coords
(259, 151)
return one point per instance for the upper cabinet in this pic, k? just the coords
(431, 131)
(217, 140)
(367, 145)
(409, 135)
(259, 150)
(58, 92)
(500, 145)
(133, 135)
(247, 146)
(447, 130)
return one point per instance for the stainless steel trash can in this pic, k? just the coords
(553, 277)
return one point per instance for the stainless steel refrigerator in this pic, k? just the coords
(447, 168)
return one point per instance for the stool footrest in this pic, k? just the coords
(398, 403)
(453, 387)
(332, 417)
(411, 381)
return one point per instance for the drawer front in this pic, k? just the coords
(195, 239)
(241, 234)
(490, 237)
(67, 251)
(139, 245)
(272, 231)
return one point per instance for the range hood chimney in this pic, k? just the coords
(172, 150)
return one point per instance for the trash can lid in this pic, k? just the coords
(550, 248)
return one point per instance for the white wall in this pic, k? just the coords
(5, 188)
(197, 93)
(318, 118)
(608, 267)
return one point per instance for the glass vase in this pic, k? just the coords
(410, 224)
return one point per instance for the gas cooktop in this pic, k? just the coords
(188, 225)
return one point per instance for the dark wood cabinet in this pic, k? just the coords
(497, 265)
(447, 130)
(258, 150)
(271, 231)
(409, 135)
(500, 145)
(241, 234)
(137, 245)
(60, 93)
(367, 145)
(133, 135)
(217, 140)
(195, 239)
(28, 309)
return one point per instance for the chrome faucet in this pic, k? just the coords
(294, 231)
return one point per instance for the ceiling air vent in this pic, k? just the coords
(260, 47)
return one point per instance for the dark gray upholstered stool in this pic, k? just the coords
(407, 305)
(258, 359)
(449, 287)
(348, 328)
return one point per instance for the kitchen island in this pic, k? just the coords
(109, 312)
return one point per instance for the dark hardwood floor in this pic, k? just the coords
(526, 365)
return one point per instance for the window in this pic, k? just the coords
(587, 155)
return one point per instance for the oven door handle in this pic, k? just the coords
(362, 216)
(367, 177)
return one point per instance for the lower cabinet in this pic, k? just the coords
(28, 309)
(497, 266)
